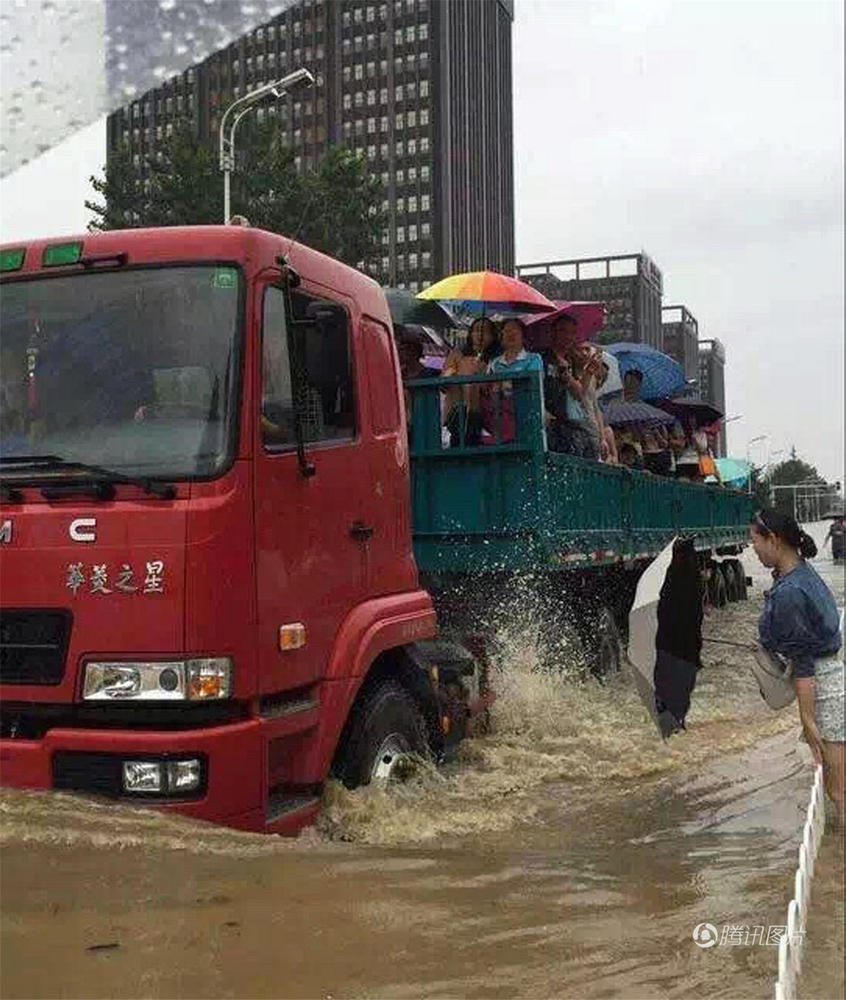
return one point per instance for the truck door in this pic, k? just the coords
(311, 567)
(391, 565)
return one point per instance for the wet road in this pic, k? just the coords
(570, 854)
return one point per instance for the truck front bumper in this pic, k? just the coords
(233, 790)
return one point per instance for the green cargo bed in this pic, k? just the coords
(517, 506)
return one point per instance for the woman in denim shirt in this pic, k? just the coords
(800, 621)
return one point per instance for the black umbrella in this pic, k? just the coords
(618, 412)
(703, 413)
(408, 310)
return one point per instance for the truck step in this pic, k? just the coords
(285, 805)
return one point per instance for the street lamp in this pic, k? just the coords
(760, 437)
(299, 78)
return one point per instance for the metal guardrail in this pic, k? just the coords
(792, 942)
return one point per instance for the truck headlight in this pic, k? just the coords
(205, 679)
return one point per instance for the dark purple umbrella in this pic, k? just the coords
(703, 413)
(618, 412)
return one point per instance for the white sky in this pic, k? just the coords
(708, 133)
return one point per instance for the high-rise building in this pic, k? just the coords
(680, 332)
(712, 382)
(630, 285)
(421, 88)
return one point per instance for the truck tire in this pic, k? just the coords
(606, 653)
(732, 586)
(717, 593)
(386, 727)
(739, 579)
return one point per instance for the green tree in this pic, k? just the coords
(124, 200)
(335, 208)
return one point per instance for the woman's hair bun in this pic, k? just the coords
(807, 546)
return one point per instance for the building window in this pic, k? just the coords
(400, 236)
(424, 203)
(411, 145)
(410, 61)
(412, 261)
(398, 37)
(347, 129)
(383, 67)
(424, 116)
(399, 150)
(359, 71)
(399, 122)
(371, 152)
(410, 33)
(427, 260)
(424, 32)
(371, 126)
(347, 102)
(386, 178)
(371, 98)
(424, 173)
(425, 231)
(383, 151)
(400, 203)
(412, 173)
(424, 88)
(424, 144)
(271, 32)
(371, 42)
(412, 238)
(345, 19)
(358, 14)
(398, 93)
(359, 98)
(383, 12)
(371, 70)
(383, 124)
(400, 178)
(347, 74)
(386, 239)
(371, 15)
(411, 118)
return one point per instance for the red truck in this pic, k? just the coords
(212, 523)
(210, 598)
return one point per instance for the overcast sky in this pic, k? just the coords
(709, 134)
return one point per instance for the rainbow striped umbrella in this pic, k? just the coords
(487, 291)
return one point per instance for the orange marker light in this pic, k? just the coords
(292, 636)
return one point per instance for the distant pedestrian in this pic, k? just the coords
(801, 623)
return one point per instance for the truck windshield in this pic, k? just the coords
(133, 370)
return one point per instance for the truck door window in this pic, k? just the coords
(323, 329)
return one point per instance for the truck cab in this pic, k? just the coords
(209, 591)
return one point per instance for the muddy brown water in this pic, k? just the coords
(567, 854)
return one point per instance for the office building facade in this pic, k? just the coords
(421, 88)
(630, 285)
(680, 335)
(712, 382)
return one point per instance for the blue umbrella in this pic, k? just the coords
(734, 471)
(663, 377)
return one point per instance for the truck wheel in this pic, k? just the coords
(607, 651)
(717, 593)
(739, 579)
(385, 729)
(732, 586)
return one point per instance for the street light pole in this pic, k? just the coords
(237, 110)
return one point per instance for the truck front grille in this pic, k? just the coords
(34, 645)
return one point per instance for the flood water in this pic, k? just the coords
(567, 854)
